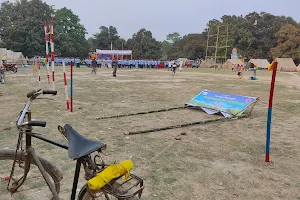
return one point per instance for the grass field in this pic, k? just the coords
(222, 160)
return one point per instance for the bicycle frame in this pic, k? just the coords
(91, 166)
(30, 154)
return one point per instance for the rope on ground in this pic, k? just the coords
(184, 125)
(142, 113)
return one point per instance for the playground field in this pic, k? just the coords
(222, 160)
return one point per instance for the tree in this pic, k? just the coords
(165, 48)
(107, 38)
(144, 45)
(254, 34)
(288, 42)
(21, 26)
(70, 34)
(173, 37)
(191, 46)
(91, 42)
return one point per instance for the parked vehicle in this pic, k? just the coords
(194, 64)
(10, 67)
(188, 63)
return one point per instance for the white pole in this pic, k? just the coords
(65, 83)
(52, 50)
(47, 52)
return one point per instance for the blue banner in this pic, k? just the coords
(227, 103)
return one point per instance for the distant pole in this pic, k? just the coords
(39, 70)
(66, 87)
(47, 51)
(71, 87)
(52, 50)
(122, 50)
(270, 112)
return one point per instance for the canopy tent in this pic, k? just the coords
(298, 68)
(232, 63)
(260, 63)
(284, 64)
(114, 52)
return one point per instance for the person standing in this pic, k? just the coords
(181, 65)
(94, 65)
(240, 71)
(174, 66)
(115, 66)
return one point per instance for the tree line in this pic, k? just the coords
(256, 35)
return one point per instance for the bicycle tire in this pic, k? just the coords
(55, 174)
(84, 195)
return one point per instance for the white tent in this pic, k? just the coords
(232, 63)
(207, 63)
(9, 55)
(18, 55)
(286, 64)
(3, 52)
(260, 63)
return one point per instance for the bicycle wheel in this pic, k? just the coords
(85, 195)
(7, 157)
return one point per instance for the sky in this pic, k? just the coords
(162, 17)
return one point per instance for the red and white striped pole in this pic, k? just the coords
(39, 70)
(52, 49)
(47, 52)
(66, 88)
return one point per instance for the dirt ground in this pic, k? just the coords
(222, 160)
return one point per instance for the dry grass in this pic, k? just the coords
(213, 161)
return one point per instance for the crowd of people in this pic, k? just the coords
(154, 64)
(130, 64)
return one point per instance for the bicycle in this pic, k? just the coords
(24, 156)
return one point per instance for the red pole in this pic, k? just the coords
(39, 68)
(71, 87)
(270, 112)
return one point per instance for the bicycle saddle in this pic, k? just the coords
(80, 146)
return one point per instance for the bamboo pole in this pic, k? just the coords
(142, 113)
(184, 125)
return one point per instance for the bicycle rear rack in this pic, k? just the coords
(121, 189)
